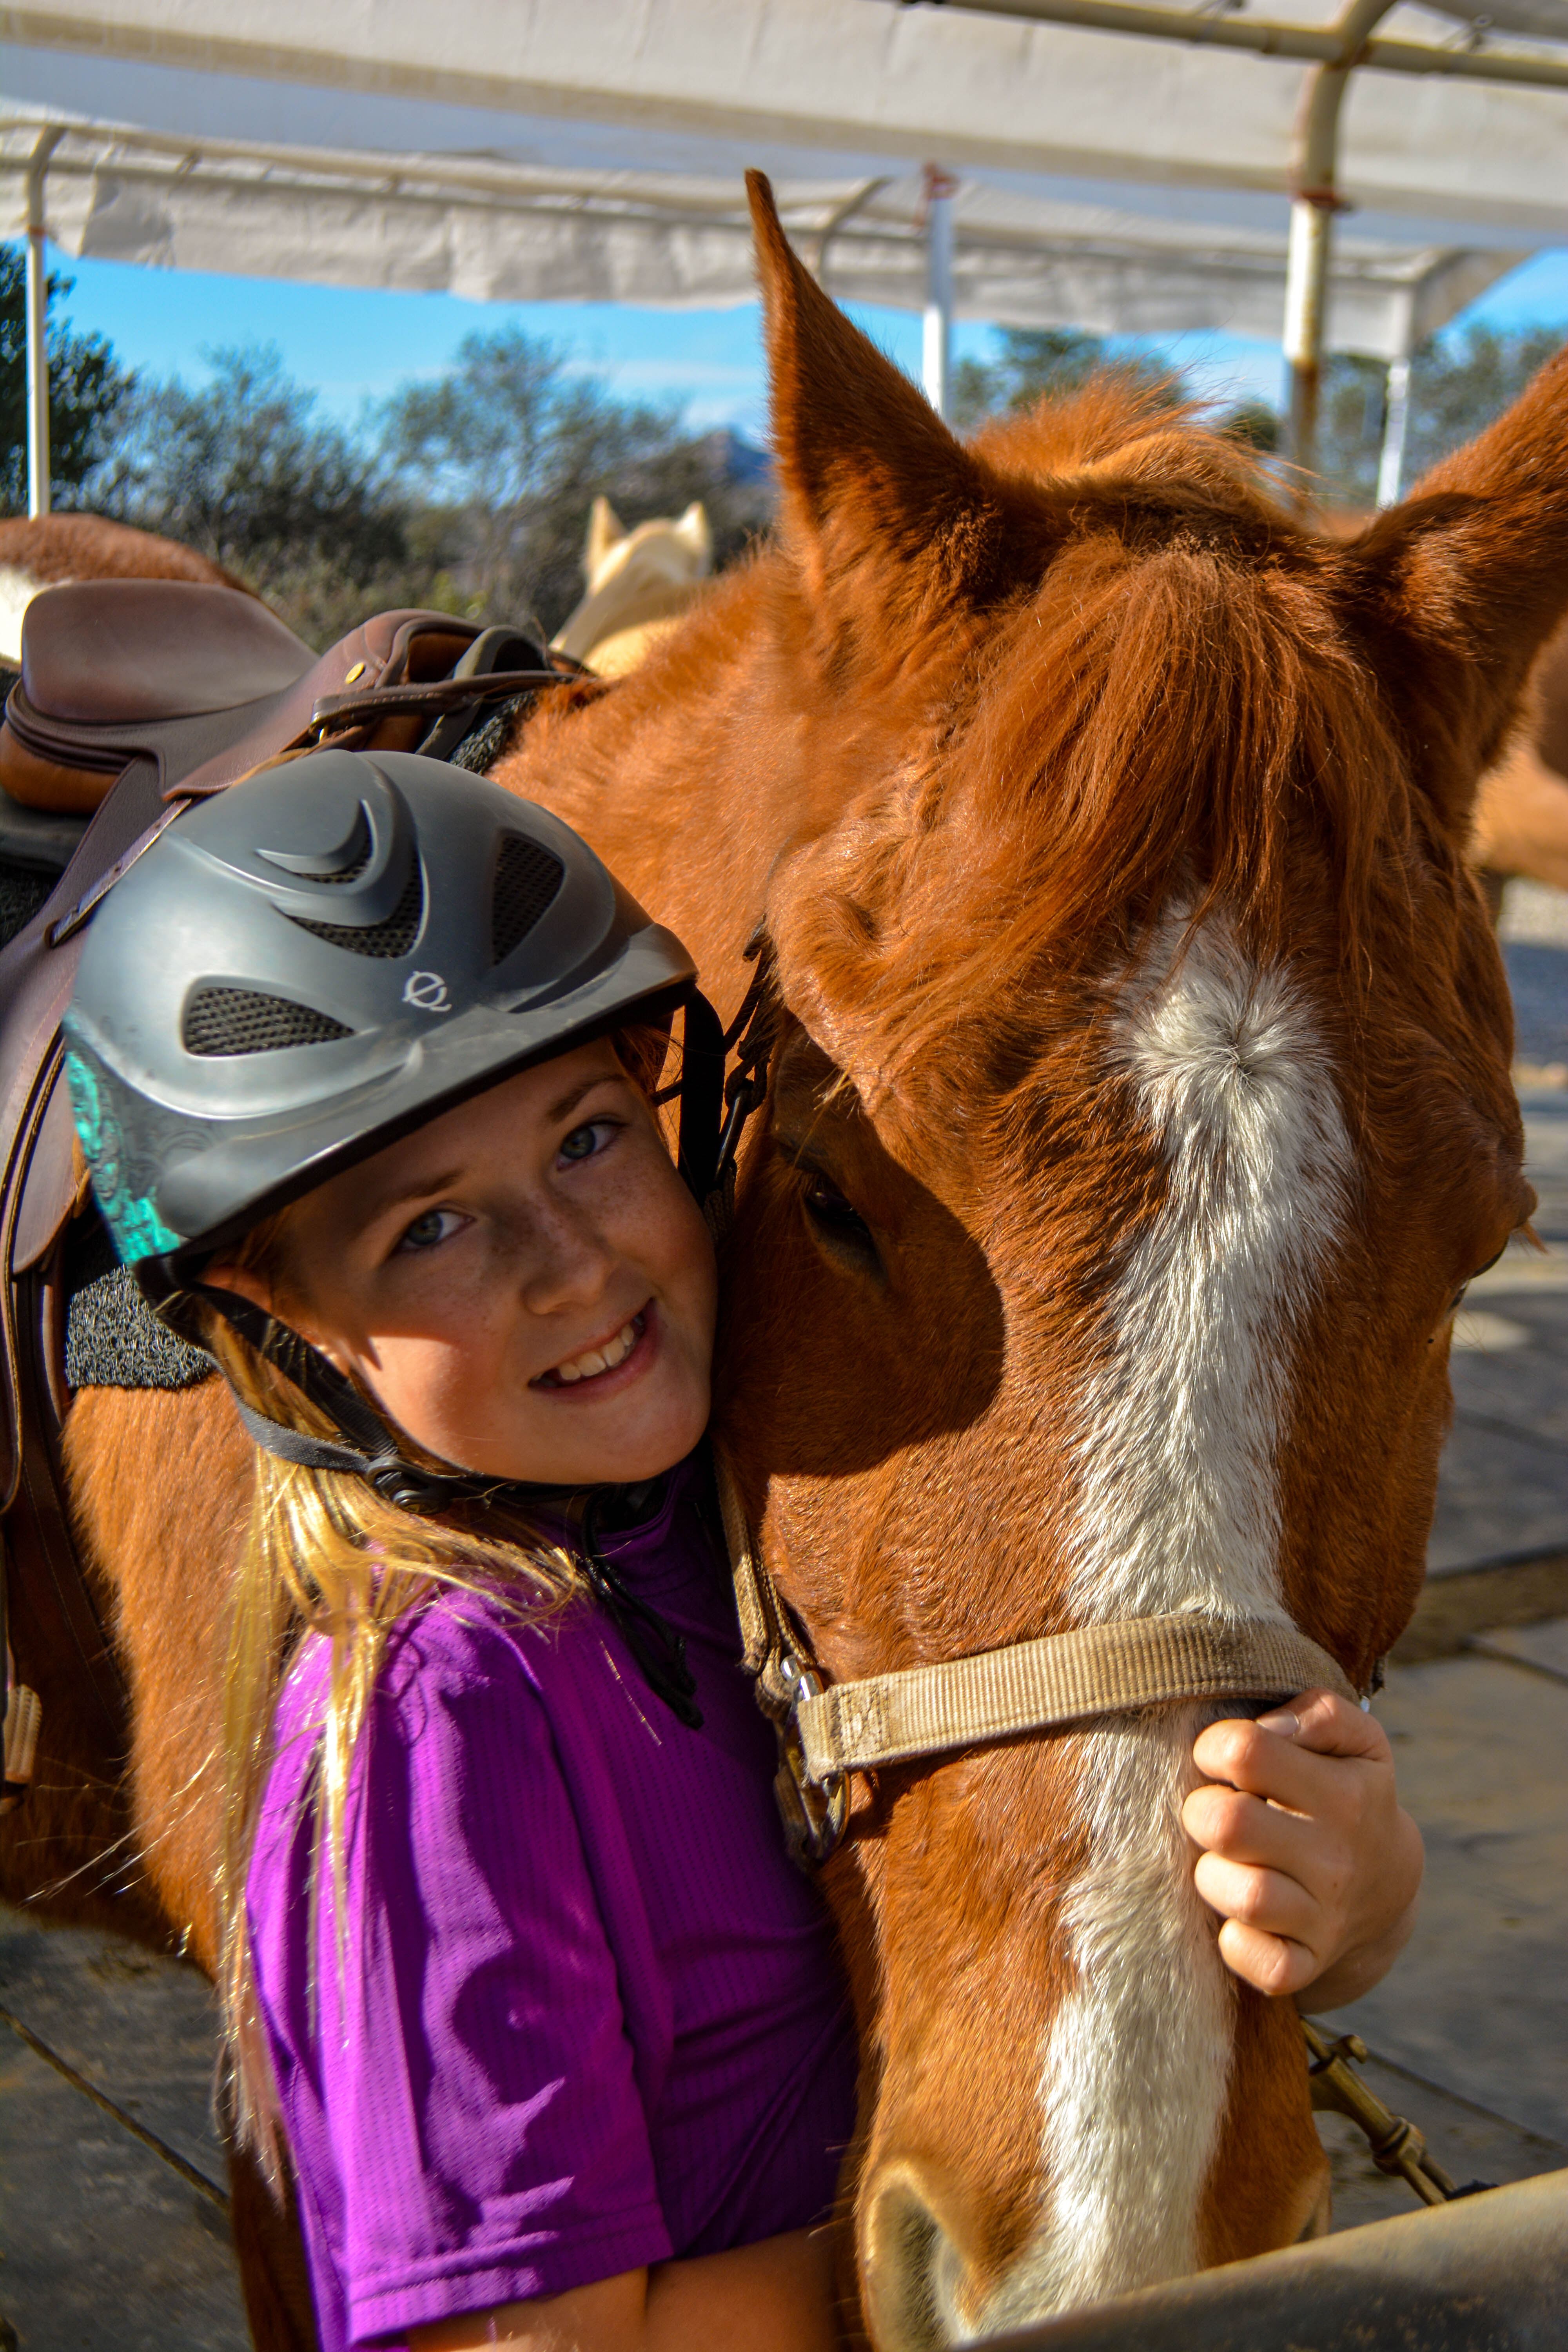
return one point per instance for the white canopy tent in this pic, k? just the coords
(1104, 178)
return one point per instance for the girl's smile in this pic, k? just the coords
(524, 1285)
(630, 1352)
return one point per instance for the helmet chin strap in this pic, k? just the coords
(369, 1450)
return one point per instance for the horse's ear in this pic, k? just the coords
(605, 530)
(1456, 591)
(695, 532)
(873, 486)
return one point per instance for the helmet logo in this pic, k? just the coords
(426, 990)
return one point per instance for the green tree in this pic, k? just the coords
(88, 391)
(509, 449)
(1033, 362)
(1252, 423)
(1459, 381)
(247, 471)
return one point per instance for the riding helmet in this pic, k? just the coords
(320, 959)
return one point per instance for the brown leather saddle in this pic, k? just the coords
(135, 698)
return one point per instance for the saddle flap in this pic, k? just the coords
(48, 1185)
(127, 652)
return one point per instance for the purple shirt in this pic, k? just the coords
(589, 2016)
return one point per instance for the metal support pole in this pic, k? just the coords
(941, 188)
(1395, 418)
(38, 325)
(836, 220)
(1314, 202)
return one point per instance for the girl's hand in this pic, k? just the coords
(1308, 1856)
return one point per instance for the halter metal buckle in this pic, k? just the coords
(814, 1814)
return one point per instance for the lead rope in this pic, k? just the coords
(1396, 2147)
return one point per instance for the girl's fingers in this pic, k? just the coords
(1267, 1900)
(1296, 1766)
(1246, 1829)
(1271, 1963)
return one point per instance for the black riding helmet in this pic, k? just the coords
(304, 968)
(307, 966)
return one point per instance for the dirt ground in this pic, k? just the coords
(105, 2247)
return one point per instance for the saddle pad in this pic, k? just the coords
(22, 892)
(113, 1339)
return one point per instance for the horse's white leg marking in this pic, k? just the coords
(1178, 1509)
(18, 590)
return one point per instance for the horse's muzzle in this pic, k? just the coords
(914, 2277)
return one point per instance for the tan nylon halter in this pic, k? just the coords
(1026, 1688)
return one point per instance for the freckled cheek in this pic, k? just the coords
(441, 1389)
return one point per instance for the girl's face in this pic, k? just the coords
(525, 1286)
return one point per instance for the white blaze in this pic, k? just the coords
(1177, 1509)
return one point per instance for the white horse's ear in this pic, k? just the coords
(695, 532)
(605, 530)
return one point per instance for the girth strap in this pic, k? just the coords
(1039, 1685)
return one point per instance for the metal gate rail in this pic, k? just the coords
(1487, 2275)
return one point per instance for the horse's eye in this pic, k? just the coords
(1457, 1300)
(837, 1219)
(828, 1202)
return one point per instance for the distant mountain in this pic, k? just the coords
(736, 460)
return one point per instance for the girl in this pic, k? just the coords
(361, 1057)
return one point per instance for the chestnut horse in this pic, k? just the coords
(43, 551)
(1139, 1107)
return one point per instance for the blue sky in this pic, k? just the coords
(356, 346)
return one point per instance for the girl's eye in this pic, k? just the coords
(429, 1231)
(585, 1142)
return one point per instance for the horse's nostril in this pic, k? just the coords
(913, 2273)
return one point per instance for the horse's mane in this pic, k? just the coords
(1165, 703)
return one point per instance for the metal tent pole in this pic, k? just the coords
(1395, 419)
(941, 188)
(835, 221)
(37, 323)
(1313, 203)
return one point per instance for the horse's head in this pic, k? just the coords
(1141, 1109)
(638, 583)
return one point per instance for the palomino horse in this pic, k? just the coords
(640, 583)
(1139, 1107)
(46, 549)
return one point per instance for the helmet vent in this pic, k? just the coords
(527, 880)
(225, 1020)
(352, 870)
(393, 937)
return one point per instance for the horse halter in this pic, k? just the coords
(826, 1732)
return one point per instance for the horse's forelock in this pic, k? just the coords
(1183, 717)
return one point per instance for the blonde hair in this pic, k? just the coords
(325, 1553)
